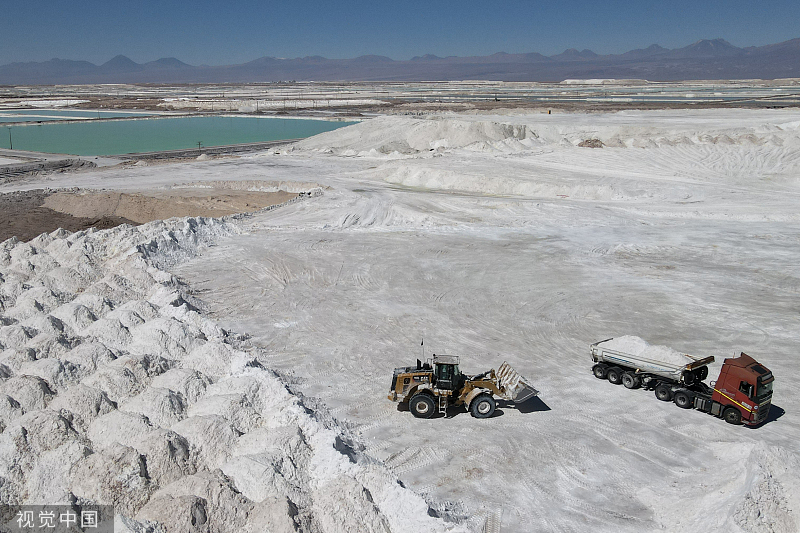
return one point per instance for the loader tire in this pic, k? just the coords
(684, 399)
(732, 415)
(663, 392)
(630, 380)
(422, 406)
(482, 406)
(614, 375)
(599, 370)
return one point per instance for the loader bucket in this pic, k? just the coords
(512, 385)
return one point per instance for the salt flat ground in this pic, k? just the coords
(498, 238)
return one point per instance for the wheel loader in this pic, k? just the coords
(438, 383)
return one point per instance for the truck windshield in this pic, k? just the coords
(764, 389)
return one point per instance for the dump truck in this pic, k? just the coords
(439, 383)
(742, 394)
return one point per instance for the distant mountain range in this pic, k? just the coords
(705, 59)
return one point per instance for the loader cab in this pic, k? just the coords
(446, 372)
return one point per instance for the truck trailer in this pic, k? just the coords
(742, 394)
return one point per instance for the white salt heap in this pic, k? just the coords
(114, 390)
(637, 346)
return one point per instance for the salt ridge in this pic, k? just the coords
(114, 389)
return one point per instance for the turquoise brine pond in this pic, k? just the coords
(118, 137)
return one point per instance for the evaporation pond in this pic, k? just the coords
(114, 137)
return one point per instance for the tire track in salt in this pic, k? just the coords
(414, 458)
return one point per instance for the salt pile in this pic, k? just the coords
(395, 137)
(637, 346)
(115, 390)
(398, 136)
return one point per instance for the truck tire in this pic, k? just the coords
(614, 375)
(599, 370)
(630, 380)
(732, 415)
(482, 406)
(663, 392)
(702, 373)
(684, 399)
(422, 406)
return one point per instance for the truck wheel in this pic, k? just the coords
(702, 373)
(630, 380)
(483, 406)
(421, 406)
(732, 415)
(599, 370)
(663, 392)
(614, 375)
(684, 399)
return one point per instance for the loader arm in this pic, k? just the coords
(488, 383)
(506, 383)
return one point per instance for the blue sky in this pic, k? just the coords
(214, 33)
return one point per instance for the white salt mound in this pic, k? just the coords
(113, 390)
(638, 346)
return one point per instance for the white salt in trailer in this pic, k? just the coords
(633, 370)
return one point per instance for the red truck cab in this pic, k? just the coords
(744, 388)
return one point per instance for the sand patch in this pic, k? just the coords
(27, 214)
(146, 206)
(22, 216)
